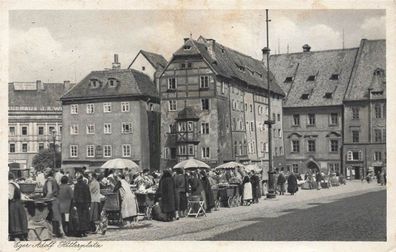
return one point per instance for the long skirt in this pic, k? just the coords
(83, 217)
(181, 201)
(94, 213)
(17, 219)
(247, 191)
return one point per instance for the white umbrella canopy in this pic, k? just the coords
(252, 167)
(191, 164)
(120, 163)
(230, 165)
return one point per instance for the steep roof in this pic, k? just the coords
(187, 113)
(293, 70)
(129, 83)
(369, 71)
(157, 60)
(230, 63)
(29, 94)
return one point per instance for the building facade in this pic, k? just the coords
(111, 114)
(364, 147)
(34, 119)
(214, 104)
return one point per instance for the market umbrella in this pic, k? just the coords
(252, 167)
(191, 164)
(230, 165)
(119, 163)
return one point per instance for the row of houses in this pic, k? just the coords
(210, 102)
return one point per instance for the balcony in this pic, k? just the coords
(187, 137)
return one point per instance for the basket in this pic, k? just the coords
(27, 188)
(195, 198)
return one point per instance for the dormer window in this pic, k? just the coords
(311, 78)
(305, 96)
(94, 83)
(288, 79)
(328, 95)
(183, 65)
(334, 77)
(241, 68)
(260, 75)
(112, 82)
(187, 47)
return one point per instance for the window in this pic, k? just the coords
(24, 131)
(377, 156)
(288, 79)
(328, 95)
(190, 127)
(251, 108)
(143, 68)
(126, 128)
(74, 129)
(280, 151)
(126, 150)
(172, 153)
(222, 87)
(205, 152)
(189, 64)
(41, 146)
(124, 106)
(172, 83)
(378, 111)
(333, 145)
(191, 150)
(41, 130)
(73, 151)
(107, 107)
(60, 130)
(205, 104)
(305, 96)
(311, 78)
(74, 109)
(24, 147)
(12, 131)
(172, 105)
(182, 150)
(90, 151)
(355, 136)
(333, 119)
(295, 146)
(93, 83)
(273, 117)
(91, 129)
(183, 65)
(278, 115)
(90, 108)
(311, 146)
(107, 128)
(355, 113)
(334, 77)
(279, 133)
(378, 135)
(187, 47)
(204, 82)
(296, 120)
(251, 126)
(12, 148)
(311, 119)
(107, 151)
(166, 153)
(205, 128)
(50, 130)
(354, 155)
(295, 168)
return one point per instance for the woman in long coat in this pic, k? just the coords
(82, 202)
(210, 203)
(281, 183)
(17, 219)
(166, 194)
(181, 197)
(292, 186)
(256, 192)
(65, 197)
(129, 207)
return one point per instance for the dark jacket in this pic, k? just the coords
(196, 186)
(255, 180)
(281, 179)
(208, 193)
(180, 182)
(82, 194)
(292, 186)
(167, 193)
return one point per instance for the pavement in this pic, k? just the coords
(308, 215)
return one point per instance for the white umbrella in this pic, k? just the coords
(252, 167)
(191, 164)
(230, 165)
(119, 163)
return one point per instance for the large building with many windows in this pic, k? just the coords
(365, 112)
(110, 114)
(214, 104)
(34, 115)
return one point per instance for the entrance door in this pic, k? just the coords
(357, 172)
(313, 167)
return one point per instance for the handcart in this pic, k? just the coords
(145, 204)
(229, 195)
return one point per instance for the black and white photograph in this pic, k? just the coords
(175, 124)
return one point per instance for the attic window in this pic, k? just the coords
(187, 47)
(334, 77)
(112, 82)
(311, 78)
(288, 79)
(222, 50)
(305, 96)
(241, 68)
(260, 75)
(183, 65)
(94, 83)
(328, 95)
(377, 92)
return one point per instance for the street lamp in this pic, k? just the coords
(269, 122)
(53, 132)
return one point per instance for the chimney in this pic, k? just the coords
(306, 48)
(116, 64)
(265, 51)
(40, 85)
(211, 48)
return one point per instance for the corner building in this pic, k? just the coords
(213, 106)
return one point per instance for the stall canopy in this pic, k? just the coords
(230, 165)
(252, 167)
(191, 164)
(120, 163)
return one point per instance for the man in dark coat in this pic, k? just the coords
(292, 186)
(82, 201)
(208, 192)
(166, 194)
(281, 183)
(181, 198)
(255, 180)
(17, 219)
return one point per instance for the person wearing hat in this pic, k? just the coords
(82, 201)
(17, 218)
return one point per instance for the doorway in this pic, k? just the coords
(356, 172)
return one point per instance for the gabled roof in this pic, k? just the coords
(292, 71)
(48, 95)
(156, 60)
(229, 63)
(130, 83)
(371, 58)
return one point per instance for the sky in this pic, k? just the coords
(54, 46)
